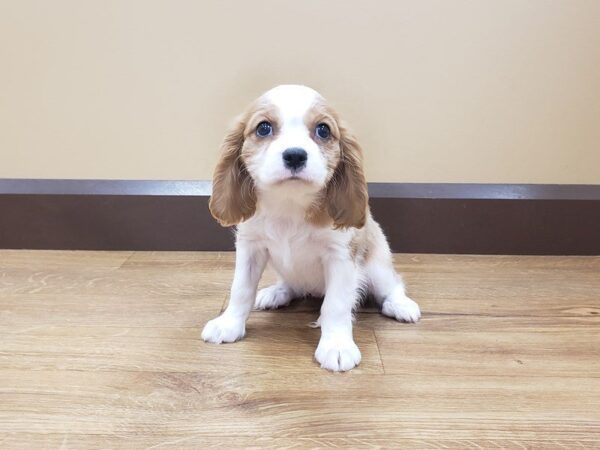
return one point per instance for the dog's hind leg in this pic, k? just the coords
(388, 290)
(274, 296)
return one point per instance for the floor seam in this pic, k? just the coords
(379, 351)
(126, 260)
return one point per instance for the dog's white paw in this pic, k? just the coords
(402, 308)
(224, 329)
(337, 354)
(273, 297)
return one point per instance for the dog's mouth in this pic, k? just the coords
(294, 178)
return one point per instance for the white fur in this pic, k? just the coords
(292, 102)
(310, 260)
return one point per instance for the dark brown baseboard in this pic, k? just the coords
(419, 218)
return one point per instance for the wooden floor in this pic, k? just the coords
(103, 350)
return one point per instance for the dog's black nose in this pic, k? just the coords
(295, 158)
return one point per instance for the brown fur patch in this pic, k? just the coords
(364, 240)
(344, 201)
(233, 198)
(321, 112)
(347, 195)
(258, 112)
(317, 213)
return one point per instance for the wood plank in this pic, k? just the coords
(273, 341)
(22, 311)
(483, 346)
(485, 263)
(186, 260)
(442, 284)
(103, 350)
(291, 405)
(480, 285)
(62, 259)
(159, 282)
(64, 441)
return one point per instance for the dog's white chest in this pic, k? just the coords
(296, 254)
(296, 250)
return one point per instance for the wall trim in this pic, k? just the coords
(378, 190)
(537, 219)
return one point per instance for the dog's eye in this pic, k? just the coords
(323, 131)
(264, 129)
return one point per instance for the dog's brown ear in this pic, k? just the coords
(233, 197)
(347, 196)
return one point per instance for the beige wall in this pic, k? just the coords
(438, 91)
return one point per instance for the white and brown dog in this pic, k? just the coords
(291, 177)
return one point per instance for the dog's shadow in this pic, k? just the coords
(289, 331)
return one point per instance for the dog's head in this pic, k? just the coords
(290, 141)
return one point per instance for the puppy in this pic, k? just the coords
(291, 178)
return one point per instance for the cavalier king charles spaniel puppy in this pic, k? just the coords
(290, 177)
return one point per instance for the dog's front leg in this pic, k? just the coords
(250, 261)
(336, 350)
